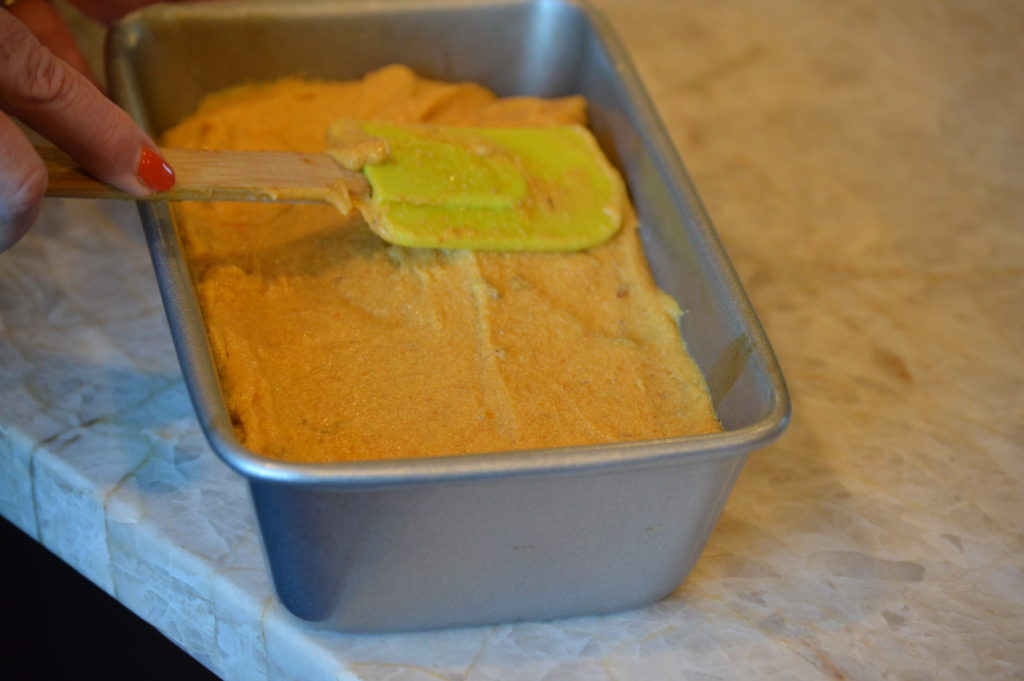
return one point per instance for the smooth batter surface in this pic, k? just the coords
(334, 345)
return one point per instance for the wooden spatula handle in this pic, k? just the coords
(204, 175)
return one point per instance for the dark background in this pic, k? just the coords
(62, 626)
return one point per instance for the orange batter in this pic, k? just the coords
(333, 345)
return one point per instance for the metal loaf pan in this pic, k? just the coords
(387, 546)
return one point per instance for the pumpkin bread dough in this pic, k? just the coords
(333, 345)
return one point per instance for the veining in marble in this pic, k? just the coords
(861, 161)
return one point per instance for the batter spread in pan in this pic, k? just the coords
(333, 345)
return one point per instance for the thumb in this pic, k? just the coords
(22, 183)
(62, 105)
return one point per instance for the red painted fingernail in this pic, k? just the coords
(154, 172)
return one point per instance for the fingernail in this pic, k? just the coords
(154, 172)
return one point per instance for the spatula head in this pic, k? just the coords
(513, 189)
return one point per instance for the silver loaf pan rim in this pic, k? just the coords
(748, 351)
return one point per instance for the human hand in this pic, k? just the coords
(49, 95)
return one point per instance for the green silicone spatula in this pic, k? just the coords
(512, 189)
(546, 188)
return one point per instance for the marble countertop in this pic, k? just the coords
(862, 163)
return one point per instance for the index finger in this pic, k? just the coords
(62, 105)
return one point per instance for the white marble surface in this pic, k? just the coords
(862, 161)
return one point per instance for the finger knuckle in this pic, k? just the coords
(51, 84)
(39, 82)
